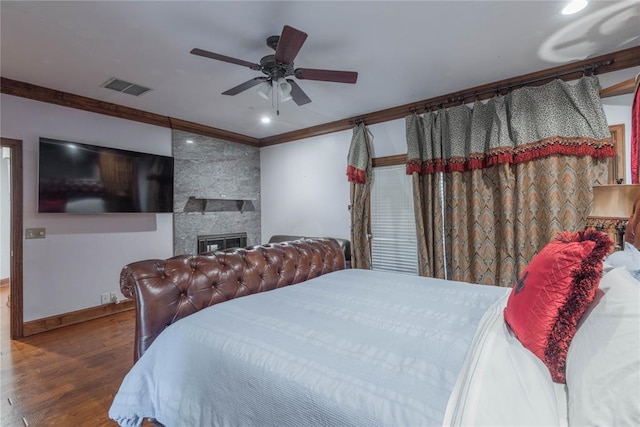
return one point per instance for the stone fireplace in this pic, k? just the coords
(216, 193)
(218, 242)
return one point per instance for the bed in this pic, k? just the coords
(348, 347)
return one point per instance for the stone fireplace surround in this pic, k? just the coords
(214, 169)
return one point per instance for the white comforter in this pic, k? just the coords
(350, 348)
(502, 383)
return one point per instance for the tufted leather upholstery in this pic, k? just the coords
(168, 290)
(345, 244)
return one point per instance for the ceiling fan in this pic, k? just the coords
(279, 66)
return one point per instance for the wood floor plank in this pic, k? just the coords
(64, 377)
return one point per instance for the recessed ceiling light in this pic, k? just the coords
(189, 141)
(265, 119)
(574, 7)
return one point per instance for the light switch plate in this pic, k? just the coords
(35, 233)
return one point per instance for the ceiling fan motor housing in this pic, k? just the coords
(280, 65)
(274, 69)
(272, 41)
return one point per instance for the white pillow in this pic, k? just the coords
(628, 258)
(603, 362)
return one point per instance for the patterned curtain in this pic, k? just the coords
(427, 200)
(516, 171)
(359, 175)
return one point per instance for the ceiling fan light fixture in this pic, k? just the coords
(277, 66)
(285, 90)
(280, 89)
(264, 89)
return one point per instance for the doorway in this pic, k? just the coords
(14, 147)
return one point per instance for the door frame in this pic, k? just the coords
(15, 245)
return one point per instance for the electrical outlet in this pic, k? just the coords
(113, 297)
(35, 233)
(104, 298)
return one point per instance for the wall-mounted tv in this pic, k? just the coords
(87, 179)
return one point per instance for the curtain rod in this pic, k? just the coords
(497, 88)
(585, 70)
(616, 61)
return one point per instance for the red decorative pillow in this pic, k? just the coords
(553, 293)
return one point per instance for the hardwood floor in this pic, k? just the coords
(64, 377)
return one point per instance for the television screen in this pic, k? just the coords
(82, 178)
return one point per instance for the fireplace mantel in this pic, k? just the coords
(218, 205)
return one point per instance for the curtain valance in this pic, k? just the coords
(528, 123)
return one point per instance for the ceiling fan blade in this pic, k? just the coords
(224, 58)
(327, 75)
(244, 86)
(298, 95)
(291, 40)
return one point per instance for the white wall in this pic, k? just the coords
(304, 185)
(82, 255)
(618, 110)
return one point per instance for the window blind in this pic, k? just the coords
(393, 229)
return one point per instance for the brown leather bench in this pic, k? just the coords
(166, 290)
(345, 244)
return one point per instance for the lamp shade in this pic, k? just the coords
(614, 201)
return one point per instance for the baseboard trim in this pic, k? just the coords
(65, 319)
(5, 282)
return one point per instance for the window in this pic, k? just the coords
(393, 229)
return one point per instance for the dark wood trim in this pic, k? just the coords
(623, 88)
(619, 60)
(398, 159)
(52, 96)
(59, 320)
(5, 282)
(319, 130)
(614, 61)
(199, 129)
(16, 263)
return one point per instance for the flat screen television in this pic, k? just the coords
(87, 179)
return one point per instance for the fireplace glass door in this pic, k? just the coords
(219, 242)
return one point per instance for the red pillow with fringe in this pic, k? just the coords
(553, 293)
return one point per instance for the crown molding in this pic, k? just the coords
(614, 61)
(623, 88)
(53, 96)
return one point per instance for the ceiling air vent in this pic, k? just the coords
(125, 87)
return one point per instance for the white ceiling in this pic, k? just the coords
(404, 51)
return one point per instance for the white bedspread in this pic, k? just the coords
(350, 348)
(504, 384)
